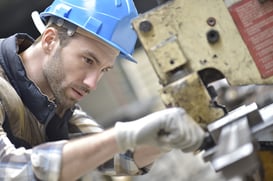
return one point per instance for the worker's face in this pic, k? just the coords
(74, 70)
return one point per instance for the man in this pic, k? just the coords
(42, 81)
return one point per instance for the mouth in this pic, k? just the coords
(77, 94)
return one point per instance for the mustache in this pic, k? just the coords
(85, 89)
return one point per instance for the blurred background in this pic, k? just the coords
(128, 92)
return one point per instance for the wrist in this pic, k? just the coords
(124, 136)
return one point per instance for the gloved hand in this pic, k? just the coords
(166, 129)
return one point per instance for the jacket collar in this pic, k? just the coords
(36, 102)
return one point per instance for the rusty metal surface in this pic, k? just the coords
(196, 30)
(189, 94)
(183, 40)
(192, 44)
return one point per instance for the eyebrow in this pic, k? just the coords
(98, 62)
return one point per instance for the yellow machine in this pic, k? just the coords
(197, 46)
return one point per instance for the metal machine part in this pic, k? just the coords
(177, 37)
(193, 46)
(237, 138)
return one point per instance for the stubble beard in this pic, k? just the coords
(55, 75)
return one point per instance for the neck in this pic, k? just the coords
(33, 59)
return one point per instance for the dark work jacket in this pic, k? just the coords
(38, 110)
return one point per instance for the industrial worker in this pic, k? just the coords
(44, 134)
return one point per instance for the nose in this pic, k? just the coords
(91, 80)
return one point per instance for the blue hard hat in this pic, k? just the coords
(109, 20)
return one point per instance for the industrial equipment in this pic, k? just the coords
(199, 47)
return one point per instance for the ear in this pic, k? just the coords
(49, 39)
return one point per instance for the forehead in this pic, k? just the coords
(88, 44)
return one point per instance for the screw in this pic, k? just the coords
(211, 21)
(213, 36)
(145, 26)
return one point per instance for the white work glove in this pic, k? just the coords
(167, 129)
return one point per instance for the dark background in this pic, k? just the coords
(15, 15)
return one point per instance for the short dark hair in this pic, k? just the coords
(62, 35)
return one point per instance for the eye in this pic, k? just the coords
(88, 60)
(106, 69)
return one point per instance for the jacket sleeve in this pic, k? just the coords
(43, 162)
(121, 164)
